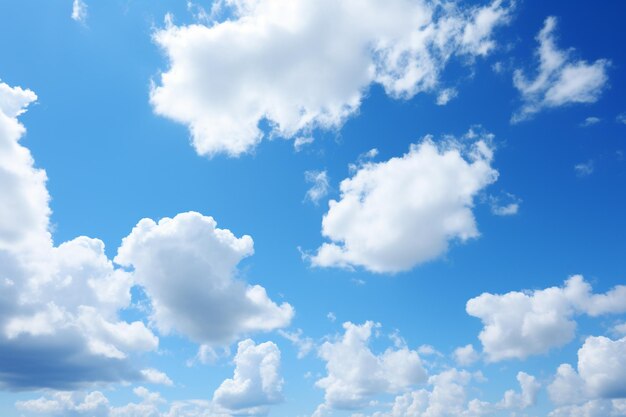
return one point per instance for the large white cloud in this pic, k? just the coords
(520, 324)
(256, 382)
(188, 268)
(59, 324)
(561, 79)
(303, 64)
(355, 374)
(395, 214)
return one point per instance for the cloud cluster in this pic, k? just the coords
(59, 305)
(520, 324)
(355, 374)
(305, 64)
(256, 383)
(395, 214)
(79, 11)
(561, 79)
(59, 324)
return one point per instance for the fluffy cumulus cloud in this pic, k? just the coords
(256, 382)
(520, 324)
(305, 64)
(596, 388)
(395, 214)
(355, 374)
(188, 268)
(560, 79)
(59, 323)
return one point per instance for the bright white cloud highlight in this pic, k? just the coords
(306, 64)
(355, 374)
(560, 79)
(465, 355)
(395, 214)
(520, 324)
(188, 268)
(256, 381)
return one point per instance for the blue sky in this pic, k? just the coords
(389, 162)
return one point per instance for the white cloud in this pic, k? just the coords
(602, 366)
(621, 118)
(301, 141)
(256, 382)
(154, 376)
(188, 268)
(58, 304)
(584, 169)
(561, 79)
(524, 399)
(446, 95)
(355, 374)
(465, 355)
(590, 121)
(79, 11)
(395, 214)
(520, 324)
(320, 186)
(272, 62)
(507, 205)
(304, 344)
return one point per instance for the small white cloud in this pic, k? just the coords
(320, 186)
(466, 355)
(505, 205)
(154, 376)
(621, 118)
(446, 95)
(331, 316)
(590, 121)
(584, 169)
(304, 344)
(301, 141)
(560, 80)
(79, 11)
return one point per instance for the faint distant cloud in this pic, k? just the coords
(505, 205)
(301, 142)
(621, 118)
(446, 95)
(590, 121)
(320, 187)
(79, 11)
(584, 169)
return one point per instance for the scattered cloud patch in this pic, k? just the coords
(621, 118)
(301, 141)
(304, 344)
(274, 51)
(584, 169)
(466, 355)
(560, 79)
(446, 95)
(505, 205)
(590, 121)
(320, 186)
(396, 214)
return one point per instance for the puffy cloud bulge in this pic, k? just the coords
(59, 305)
(305, 64)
